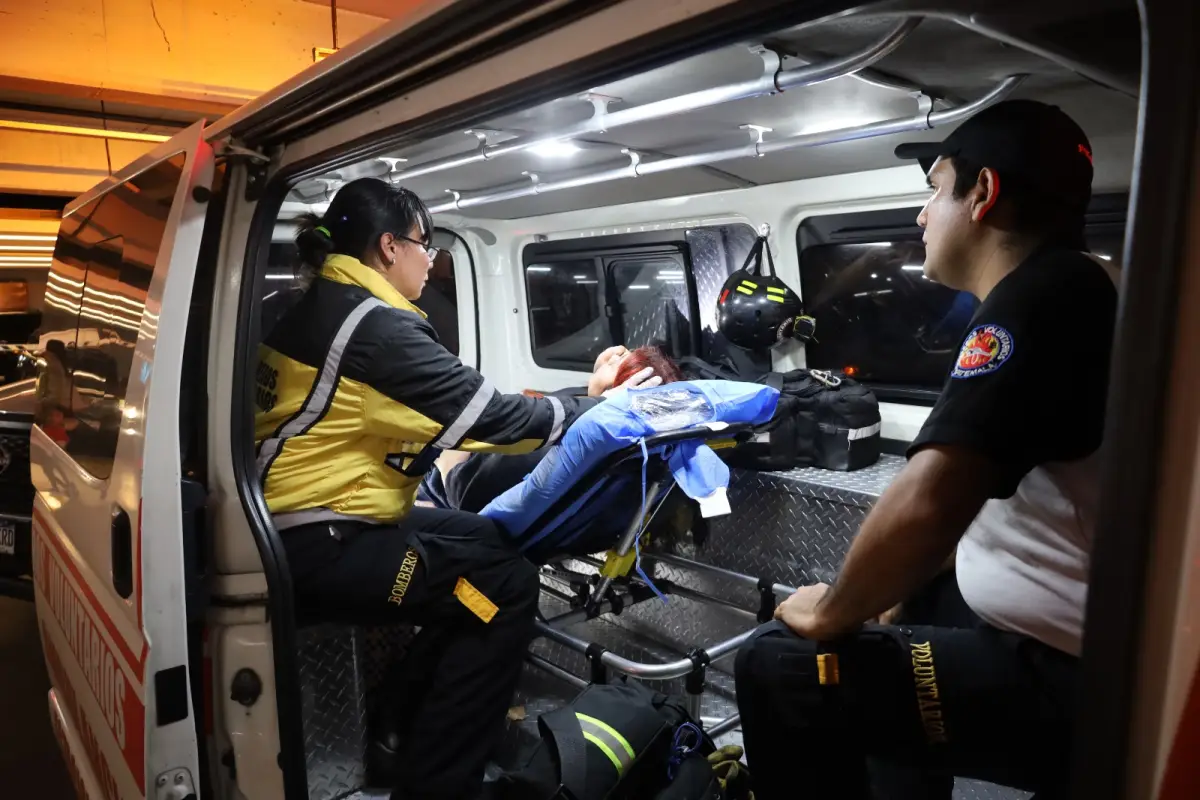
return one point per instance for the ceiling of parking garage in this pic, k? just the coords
(130, 66)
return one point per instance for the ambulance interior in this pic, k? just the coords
(615, 216)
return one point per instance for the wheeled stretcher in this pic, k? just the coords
(786, 529)
(591, 588)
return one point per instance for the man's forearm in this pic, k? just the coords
(905, 540)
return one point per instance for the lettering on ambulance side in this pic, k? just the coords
(70, 616)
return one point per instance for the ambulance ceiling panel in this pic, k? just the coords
(938, 59)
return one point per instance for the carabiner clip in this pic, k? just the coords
(830, 380)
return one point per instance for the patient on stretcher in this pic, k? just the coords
(548, 509)
(469, 481)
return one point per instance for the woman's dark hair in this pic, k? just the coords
(362, 211)
(1033, 213)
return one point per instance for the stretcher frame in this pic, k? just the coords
(602, 594)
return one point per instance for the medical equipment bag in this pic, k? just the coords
(823, 420)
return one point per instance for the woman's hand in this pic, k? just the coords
(645, 379)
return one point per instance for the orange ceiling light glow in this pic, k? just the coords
(72, 130)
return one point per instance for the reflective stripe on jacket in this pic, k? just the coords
(352, 385)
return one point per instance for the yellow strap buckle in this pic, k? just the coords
(827, 669)
(618, 566)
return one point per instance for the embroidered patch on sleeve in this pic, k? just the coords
(475, 600)
(985, 350)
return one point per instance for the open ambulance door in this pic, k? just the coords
(114, 518)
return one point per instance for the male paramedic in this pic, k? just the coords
(1004, 471)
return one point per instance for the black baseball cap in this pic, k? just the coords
(1023, 140)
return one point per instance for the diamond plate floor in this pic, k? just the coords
(791, 527)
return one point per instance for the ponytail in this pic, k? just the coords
(360, 213)
(315, 245)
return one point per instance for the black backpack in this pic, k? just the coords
(824, 420)
(612, 742)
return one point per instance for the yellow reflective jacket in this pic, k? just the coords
(355, 397)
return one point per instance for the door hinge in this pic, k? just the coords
(257, 166)
(174, 784)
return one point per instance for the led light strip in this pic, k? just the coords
(71, 130)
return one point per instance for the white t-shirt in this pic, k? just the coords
(1023, 564)
(1028, 390)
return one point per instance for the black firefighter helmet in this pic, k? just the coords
(756, 310)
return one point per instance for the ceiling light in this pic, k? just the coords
(639, 286)
(537, 269)
(72, 130)
(555, 149)
(26, 248)
(25, 237)
(914, 267)
(834, 124)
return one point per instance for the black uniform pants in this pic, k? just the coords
(922, 702)
(475, 599)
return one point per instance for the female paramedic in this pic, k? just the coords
(355, 399)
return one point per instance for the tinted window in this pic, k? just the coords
(634, 289)
(95, 308)
(566, 313)
(878, 316)
(439, 300)
(652, 296)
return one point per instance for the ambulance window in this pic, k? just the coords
(566, 313)
(590, 293)
(103, 263)
(879, 317)
(653, 299)
(439, 300)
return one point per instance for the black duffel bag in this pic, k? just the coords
(612, 742)
(824, 420)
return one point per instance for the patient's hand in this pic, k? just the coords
(604, 372)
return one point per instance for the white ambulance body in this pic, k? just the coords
(162, 593)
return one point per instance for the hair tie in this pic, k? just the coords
(324, 230)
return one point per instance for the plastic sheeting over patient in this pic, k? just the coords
(626, 418)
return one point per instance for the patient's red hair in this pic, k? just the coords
(651, 356)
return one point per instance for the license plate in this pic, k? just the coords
(8, 539)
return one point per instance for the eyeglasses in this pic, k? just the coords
(429, 249)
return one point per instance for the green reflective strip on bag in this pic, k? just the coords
(611, 743)
(607, 751)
